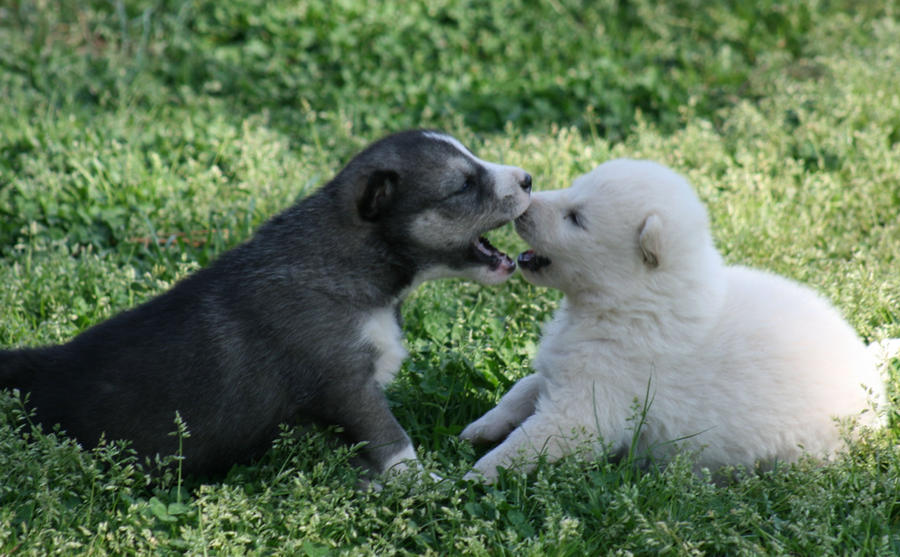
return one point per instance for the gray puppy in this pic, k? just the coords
(300, 323)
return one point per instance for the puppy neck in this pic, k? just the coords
(678, 309)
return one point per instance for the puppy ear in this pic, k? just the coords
(377, 194)
(650, 240)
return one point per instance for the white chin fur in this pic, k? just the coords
(487, 276)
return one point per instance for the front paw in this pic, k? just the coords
(489, 428)
(476, 475)
(482, 432)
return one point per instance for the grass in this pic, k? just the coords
(138, 140)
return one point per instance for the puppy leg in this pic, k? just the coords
(369, 420)
(540, 435)
(513, 408)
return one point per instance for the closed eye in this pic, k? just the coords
(576, 219)
(467, 186)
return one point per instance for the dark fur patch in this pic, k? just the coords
(269, 333)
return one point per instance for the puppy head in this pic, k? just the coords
(432, 199)
(614, 230)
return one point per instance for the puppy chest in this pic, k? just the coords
(382, 332)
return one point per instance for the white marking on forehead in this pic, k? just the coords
(499, 170)
(496, 168)
(452, 141)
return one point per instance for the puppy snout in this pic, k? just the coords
(525, 183)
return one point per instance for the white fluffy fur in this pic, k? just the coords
(743, 366)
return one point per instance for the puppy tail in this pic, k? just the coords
(885, 350)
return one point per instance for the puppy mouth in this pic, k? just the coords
(530, 261)
(483, 252)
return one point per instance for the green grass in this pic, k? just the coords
(138, 140)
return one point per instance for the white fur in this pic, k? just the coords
(451, 140)
(407, 460)
(401, 461)
(742, 366)
(885, 350)
(382, 331)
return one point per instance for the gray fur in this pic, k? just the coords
(270, 332)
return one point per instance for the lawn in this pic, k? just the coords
(139, 139)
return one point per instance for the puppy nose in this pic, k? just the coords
(526, 182)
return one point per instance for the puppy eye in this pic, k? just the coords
(575, 218)
(467, 186)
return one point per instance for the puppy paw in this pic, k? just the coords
(472, 433)
(411, 468)
(476, 475)
(483, 431)
(473, 476)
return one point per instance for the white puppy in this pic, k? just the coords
(743, 366)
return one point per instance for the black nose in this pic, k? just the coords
(526, 182)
